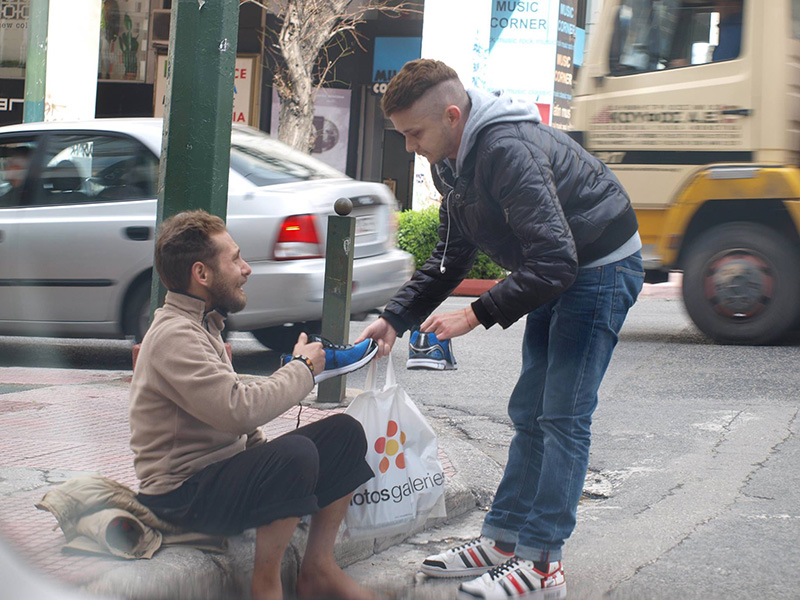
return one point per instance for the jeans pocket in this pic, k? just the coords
(627, 285)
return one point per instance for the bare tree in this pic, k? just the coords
(313, 35)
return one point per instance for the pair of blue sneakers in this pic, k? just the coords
(426, 351)
(340, 359)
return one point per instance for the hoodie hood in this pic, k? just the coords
(486, 109)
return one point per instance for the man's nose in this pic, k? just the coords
(246, 270)
(410, 147)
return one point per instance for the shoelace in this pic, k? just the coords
(500, 570)
(327, 343)
(466, 545)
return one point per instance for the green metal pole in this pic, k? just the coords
(36, 61)
(338, 291)
(195, 151)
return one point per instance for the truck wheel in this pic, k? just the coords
(741, 284)
(282, 338)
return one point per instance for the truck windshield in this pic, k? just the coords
(651, 35)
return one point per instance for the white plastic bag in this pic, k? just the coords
(402, 450)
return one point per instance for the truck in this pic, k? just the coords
(695, 106)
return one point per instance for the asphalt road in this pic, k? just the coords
(694, 478)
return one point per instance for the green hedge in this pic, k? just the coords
(416, 234)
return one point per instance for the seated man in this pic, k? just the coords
(201, 460)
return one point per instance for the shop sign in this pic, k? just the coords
(390, 54)
(246, 88)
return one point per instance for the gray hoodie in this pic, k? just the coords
(489, 108)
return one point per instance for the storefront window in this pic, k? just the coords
(124, 33)
(124, 30)
(13, 37)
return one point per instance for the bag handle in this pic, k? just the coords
(372, 376)
(391, 380)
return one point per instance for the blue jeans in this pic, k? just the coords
(565, 353)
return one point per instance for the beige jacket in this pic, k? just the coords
(101, 516)
(188, 407)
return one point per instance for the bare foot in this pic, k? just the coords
(265, 591)
(330, 582)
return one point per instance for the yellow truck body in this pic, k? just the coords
(703, 130)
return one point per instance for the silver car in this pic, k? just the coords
(77, 217)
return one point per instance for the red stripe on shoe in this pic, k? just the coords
(514, 581)
(475, 558)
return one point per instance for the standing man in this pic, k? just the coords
(202, 462)
(557, 218)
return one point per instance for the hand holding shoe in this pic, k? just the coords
(383, 333)
(311, 350)
(450, 324)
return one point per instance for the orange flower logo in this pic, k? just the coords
(391, 447)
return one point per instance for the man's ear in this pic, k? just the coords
(452, 115)
(201, 274)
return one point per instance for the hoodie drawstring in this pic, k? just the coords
(442, 268)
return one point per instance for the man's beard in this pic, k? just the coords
(226, 298)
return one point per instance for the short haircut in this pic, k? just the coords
(412, 81)
(183, 240)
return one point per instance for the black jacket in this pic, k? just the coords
(536, 203)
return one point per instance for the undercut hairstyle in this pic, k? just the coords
(183, 240)
(412, 81)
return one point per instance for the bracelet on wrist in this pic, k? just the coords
(467, 312)
(306, 360)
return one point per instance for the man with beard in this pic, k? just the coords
(202, 462)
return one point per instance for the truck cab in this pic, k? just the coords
(695, 105)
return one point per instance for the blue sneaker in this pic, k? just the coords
(340, 358)
(426, 351)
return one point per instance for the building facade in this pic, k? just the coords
(353, 135)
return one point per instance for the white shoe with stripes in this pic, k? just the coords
(517, 579)
(473, 558)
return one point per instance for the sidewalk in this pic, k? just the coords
(55, 423)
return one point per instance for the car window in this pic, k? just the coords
(81, 168)
(15, 160)
(652, 35)
(266, 161)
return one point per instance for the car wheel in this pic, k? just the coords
(283, 337)
(136, 319)
(741, 284)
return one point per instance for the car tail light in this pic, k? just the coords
(298, 239)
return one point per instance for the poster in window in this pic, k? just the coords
(332, 123)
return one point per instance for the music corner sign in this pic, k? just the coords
(390, 54)
(246, 88)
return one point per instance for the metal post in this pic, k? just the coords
(195, 151)
(338, 290)
(36, 61)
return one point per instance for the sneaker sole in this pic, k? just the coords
(453, 573)
(554, 593)
(430, 363)
(426, 363)
(327, 374)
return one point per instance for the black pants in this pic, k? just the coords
(291, 476)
